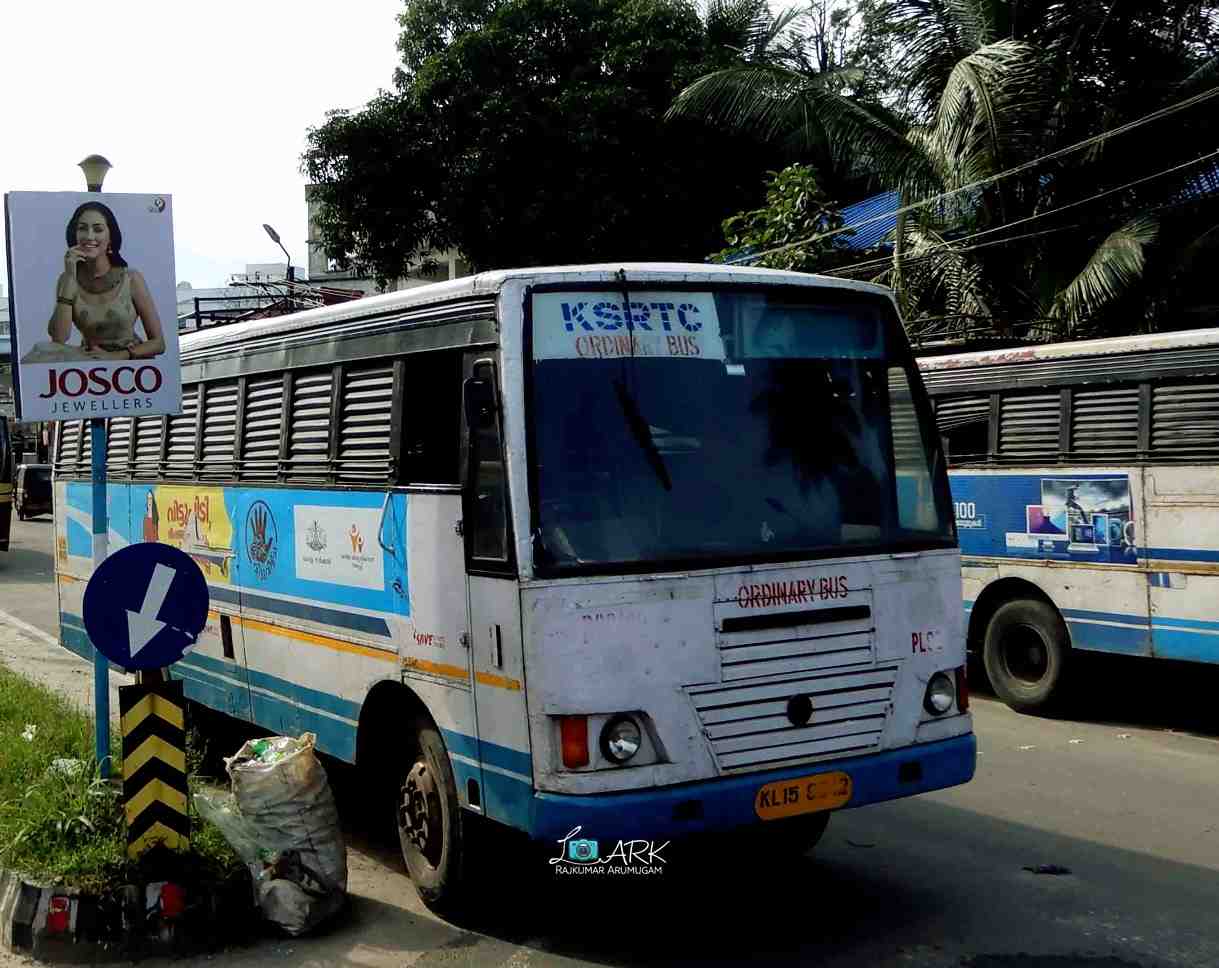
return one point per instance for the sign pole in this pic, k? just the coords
(101, 665)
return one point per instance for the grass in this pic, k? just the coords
(62, 823)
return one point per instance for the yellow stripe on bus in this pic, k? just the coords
(459, 672)
(435, 668)
(500, 682)
(313, 639)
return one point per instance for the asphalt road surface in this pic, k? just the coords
(1089, 842)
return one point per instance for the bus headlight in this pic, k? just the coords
(941, 692)
(621, 739)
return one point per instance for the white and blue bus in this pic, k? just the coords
(645, 550)
(1086, 496)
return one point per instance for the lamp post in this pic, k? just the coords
(95, 168)
(275, 238)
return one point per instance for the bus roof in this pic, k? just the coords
(487, 284)
(1111, 346)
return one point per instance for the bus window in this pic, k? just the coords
(431, 428)
(489, 491)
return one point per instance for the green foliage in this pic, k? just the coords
(528, 132)
(59, 821)
(954, 93)
(796, 212)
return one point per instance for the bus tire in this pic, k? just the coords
(788, 838)
(1025, 652)
(802, 834)
(430, 825)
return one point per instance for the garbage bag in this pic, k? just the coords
(283, 823)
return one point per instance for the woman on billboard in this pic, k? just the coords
(101, 296)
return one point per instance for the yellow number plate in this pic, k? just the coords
(806, 794)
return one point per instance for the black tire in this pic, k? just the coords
(431, 827)
(1026, 653)
(798, 835)
(772, 841)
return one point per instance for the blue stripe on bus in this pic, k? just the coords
(1187, 639)
(1188, 646)
(312, 613)
(206, 680)
(281, 712)
(1179, 554)
(1120, 639)
(325, 701)
(505, 757)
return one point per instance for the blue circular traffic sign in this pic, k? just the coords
(145, 606)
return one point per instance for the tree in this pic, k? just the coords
(528, 132)
(1094, 241)
(784, 231)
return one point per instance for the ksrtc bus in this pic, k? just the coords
(1086, 492)
(644, 551)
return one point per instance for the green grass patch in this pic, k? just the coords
(59, 821)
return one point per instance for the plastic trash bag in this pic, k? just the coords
(282, 821)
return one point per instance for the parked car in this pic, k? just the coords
(32, 494)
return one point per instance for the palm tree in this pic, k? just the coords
(988, 85)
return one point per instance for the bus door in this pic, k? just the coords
(1180, 541)
(494, 601)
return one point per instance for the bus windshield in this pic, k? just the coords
(716, 427)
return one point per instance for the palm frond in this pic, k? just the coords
(954, 279)
(940, 34)
(1117, 263)
(990, 113)
(1202, 79)
(805, 114)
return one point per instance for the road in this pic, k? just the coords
(1122, 804)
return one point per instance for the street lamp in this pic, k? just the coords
(275, 238)
(95, 168)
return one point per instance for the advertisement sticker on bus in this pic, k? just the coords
(94, 330)
(1083, 517)
(595, 326)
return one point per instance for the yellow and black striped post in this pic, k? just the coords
(154, 766)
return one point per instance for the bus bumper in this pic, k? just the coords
(728, 802)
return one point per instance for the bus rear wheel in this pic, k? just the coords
(1025, 653)
(430, 827)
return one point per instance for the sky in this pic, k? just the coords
(208, 103)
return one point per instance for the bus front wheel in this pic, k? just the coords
(430, 823)
(1025, 652)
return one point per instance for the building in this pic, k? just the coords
(324, 273)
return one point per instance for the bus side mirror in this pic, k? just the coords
(480, 403)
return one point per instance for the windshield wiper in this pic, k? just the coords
(642, 433)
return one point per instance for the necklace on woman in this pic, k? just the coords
(103, 283)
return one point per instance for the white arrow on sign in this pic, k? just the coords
(142, 626)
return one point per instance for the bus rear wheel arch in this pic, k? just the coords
(409, 777)
(1026, 650)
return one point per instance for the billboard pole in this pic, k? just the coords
(95, 168)
(101, 665)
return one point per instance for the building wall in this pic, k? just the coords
(322, 273)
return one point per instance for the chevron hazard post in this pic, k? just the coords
(154, 766)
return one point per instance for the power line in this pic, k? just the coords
(1024, 166)
(1037, 215)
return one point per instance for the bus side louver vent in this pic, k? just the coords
(1105, 423)
(1028, 425)
(1185, 419)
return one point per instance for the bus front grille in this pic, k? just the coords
(749, 724)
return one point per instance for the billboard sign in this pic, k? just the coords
(94, 305)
